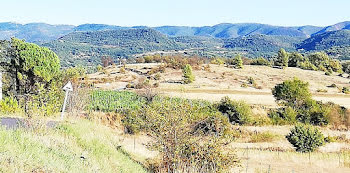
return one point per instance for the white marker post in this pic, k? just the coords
(68, 87)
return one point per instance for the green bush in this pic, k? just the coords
(307, 65)
(314, 112)
(346, 90)
(187, 74)
(282, 58)
(177, 127)
(294, 59)
(283, 116)
(236, 62)
(292, 92)
(237, 111)
(260, 61)
(9, 105)
(305, 138)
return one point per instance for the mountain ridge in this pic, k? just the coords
(43, 32)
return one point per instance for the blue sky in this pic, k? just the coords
(176, 12)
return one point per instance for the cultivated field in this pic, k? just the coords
(221, 81)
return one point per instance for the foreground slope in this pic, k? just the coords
(73, 146)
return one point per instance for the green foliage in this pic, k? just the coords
(292, 92)
(115, 101)
(314, 112)
(324, 62)
(73, 74)
(121, 43)
(30, 64)
(218, 61)
(46, 102)
(283, 116)
(326, 40)
(236, 62)
(259, 44)
(9, 105)
(307, 65)
(187, 74)
(260, 61)
(99, 68)
(282, 58)
(237, 111)
(346, 90)
(294, 59)
(346, 67)
(177, 126)
(65, 148)
(305, 138)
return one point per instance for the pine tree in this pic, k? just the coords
(187, 74)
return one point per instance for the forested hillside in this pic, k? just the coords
(262, 44)
(88, 47)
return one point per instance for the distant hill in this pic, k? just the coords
(34, 32)
(335, 27)
(262, 44)
(198, 41)
(326, 40)
(87, 47)
(227, 30)
(41, 32)
(85, 44)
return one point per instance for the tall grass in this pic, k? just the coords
(82, 146)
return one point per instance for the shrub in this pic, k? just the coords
(218, 61)
(237, 61)
(282, 58)
(122, 70)
(307, 65)
(283, 116)
(237, 111)
(140, 60)
(148, 59)
(251, 80)
(262, 137)
(292, 92)
(314, 112)
(170, 123)
(260, 61)
(333, 85)
(322, 90)
(9, 105)
(187, 74)
(294, 59)
(157, 76)
(346, 90)
(346, 67)
(305, 138)
(99, 68)
(244, 85)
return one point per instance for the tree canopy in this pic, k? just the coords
(28, 64)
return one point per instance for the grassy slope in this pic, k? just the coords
(61, 149)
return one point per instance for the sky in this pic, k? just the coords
(176, 12)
